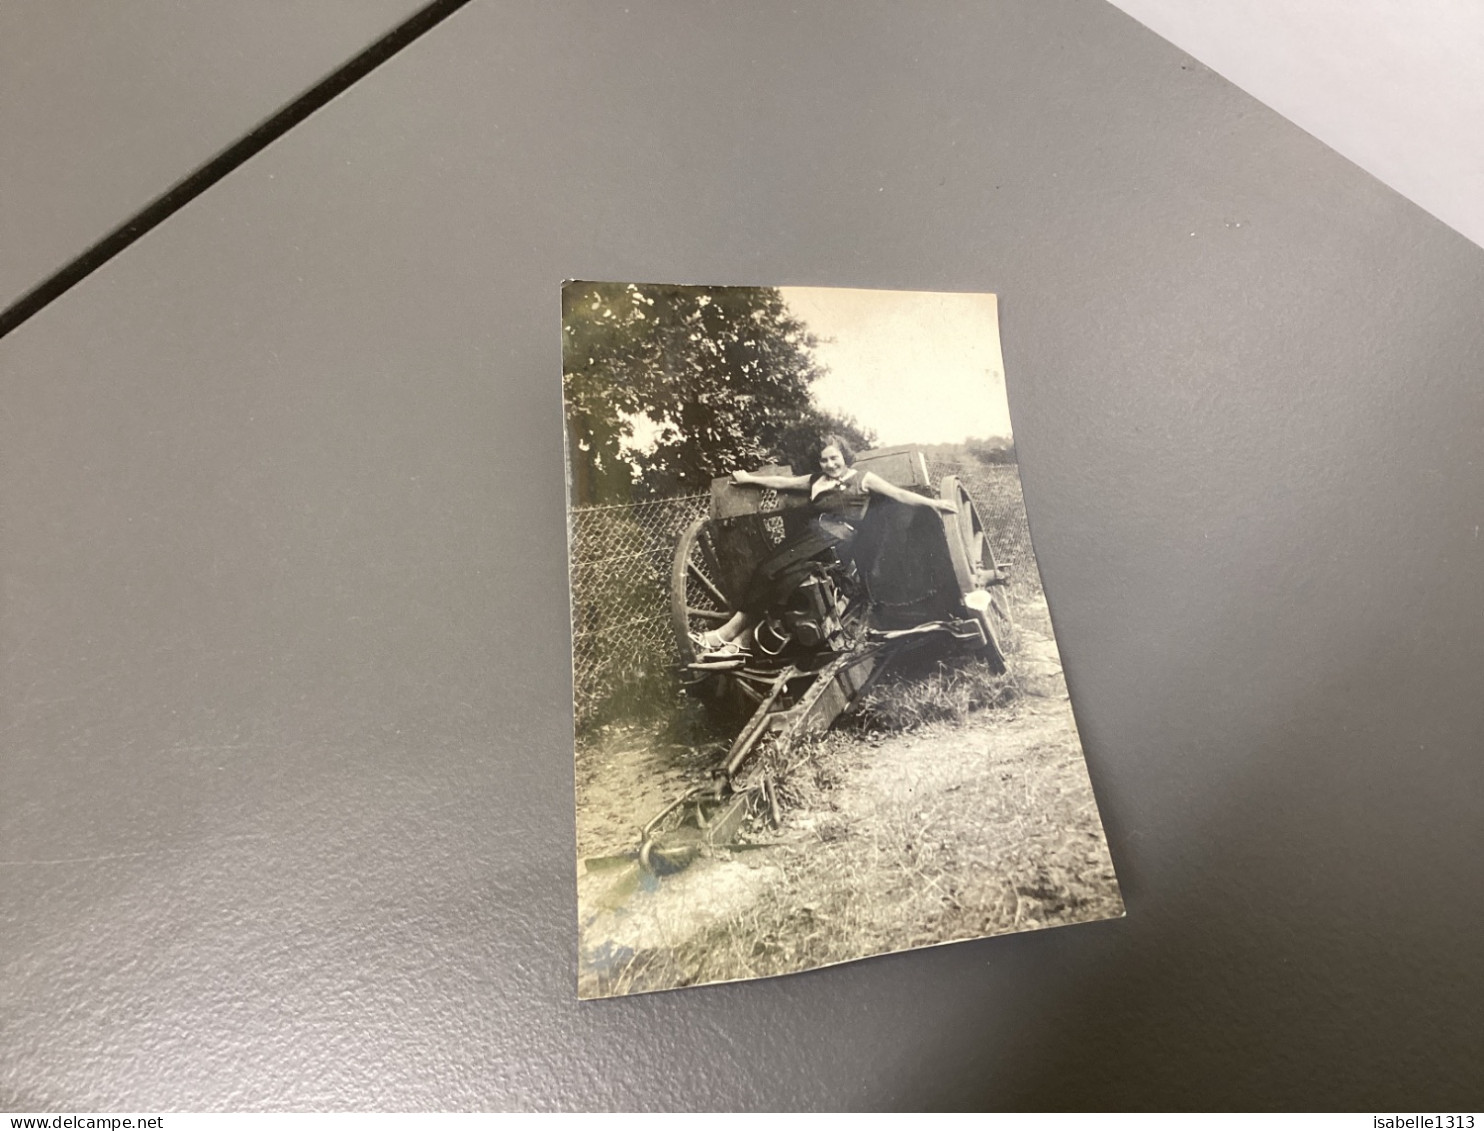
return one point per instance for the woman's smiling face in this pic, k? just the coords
(831, 462)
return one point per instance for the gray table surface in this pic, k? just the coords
(286, 808)
(104, 106)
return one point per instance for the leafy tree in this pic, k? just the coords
(799, 445)
(992, 449)
(714, 378)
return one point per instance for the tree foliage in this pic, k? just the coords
(799, 445)
(668, 387)
(992, 449)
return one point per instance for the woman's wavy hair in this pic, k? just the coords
(833, 440)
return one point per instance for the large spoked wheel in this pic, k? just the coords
(697, 603)
(975, 567)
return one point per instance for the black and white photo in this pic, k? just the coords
(820, 712)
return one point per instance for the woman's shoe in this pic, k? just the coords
(711, 646)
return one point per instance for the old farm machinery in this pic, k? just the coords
(839, 618)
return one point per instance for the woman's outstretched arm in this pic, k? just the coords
(776, 482)
(873, 482)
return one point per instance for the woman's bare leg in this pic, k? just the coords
(728, 632)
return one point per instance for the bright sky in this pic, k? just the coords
(918, 367)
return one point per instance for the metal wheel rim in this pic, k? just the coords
(697, 601)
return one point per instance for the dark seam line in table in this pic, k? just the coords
(263, 135)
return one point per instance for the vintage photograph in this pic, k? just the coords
(820, 712)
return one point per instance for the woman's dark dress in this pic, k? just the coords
(850, 523)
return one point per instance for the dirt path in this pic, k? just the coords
(950, 831)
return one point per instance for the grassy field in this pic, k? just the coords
(953, 804)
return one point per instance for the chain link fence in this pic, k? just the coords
(622, 640)
(623, 645)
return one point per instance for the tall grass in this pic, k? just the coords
(922, 689)
(979, 849)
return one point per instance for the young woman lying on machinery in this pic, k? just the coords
(845, 523)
